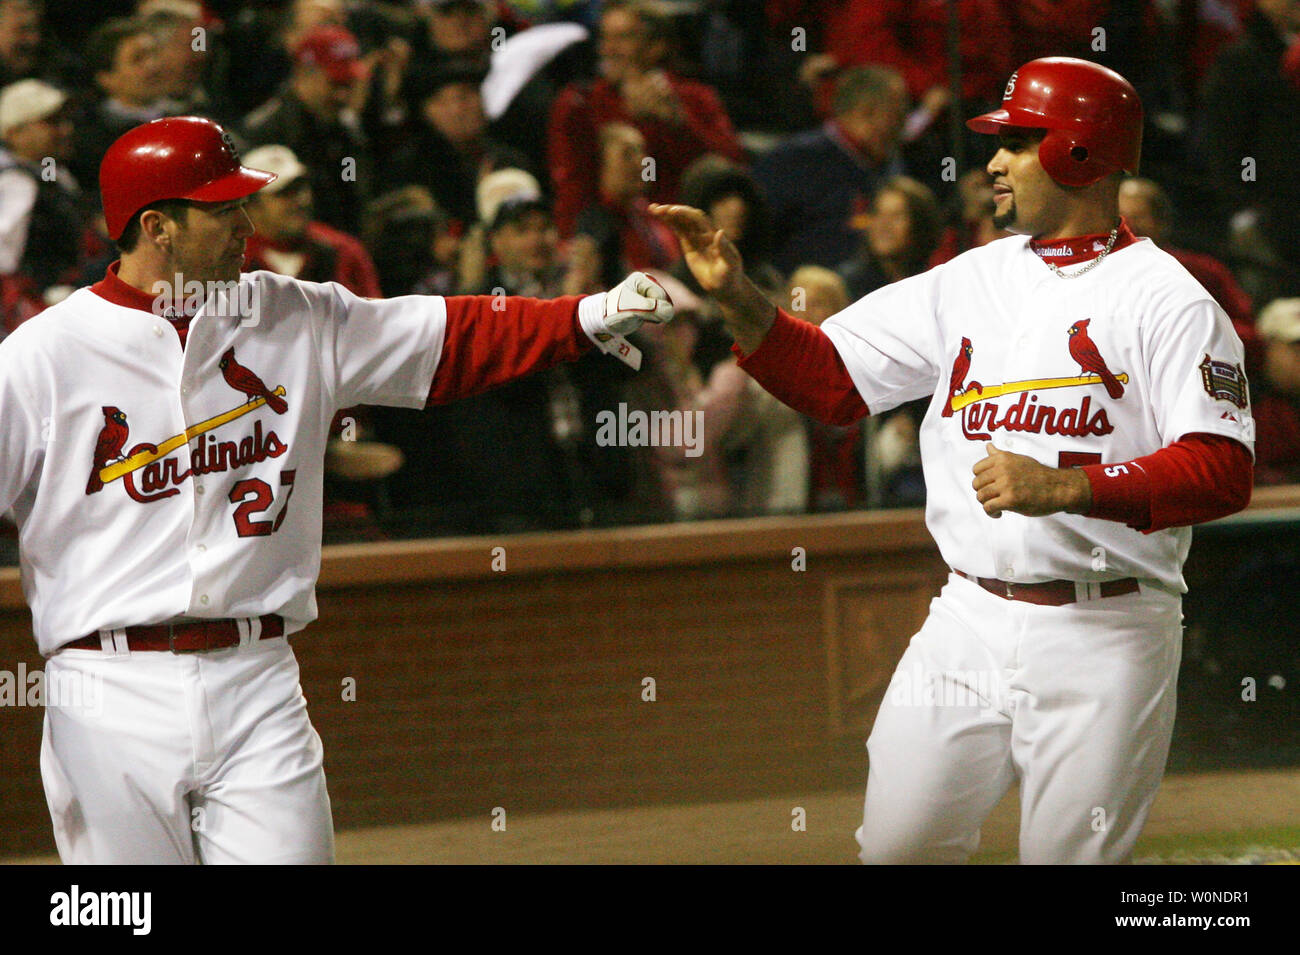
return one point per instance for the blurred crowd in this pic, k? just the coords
(512, 147)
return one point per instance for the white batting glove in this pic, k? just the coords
(608, 316)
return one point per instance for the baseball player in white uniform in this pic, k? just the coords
(1087, 404)
(162, 454)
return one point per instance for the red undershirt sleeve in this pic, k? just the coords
(487, 346)
(797, 363)
(1198, 478)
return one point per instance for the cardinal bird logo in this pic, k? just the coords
(960, 368)
(1085, 353)
(241, 379)
(112, 438)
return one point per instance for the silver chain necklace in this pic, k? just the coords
(1110, 244)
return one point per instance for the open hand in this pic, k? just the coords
(712, 258)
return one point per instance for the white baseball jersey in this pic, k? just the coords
(1106, 367)
(151, 483)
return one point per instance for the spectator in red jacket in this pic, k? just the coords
(912, 37)
(680, 119)
(1275, 395)
(288, 241)
(625, 234)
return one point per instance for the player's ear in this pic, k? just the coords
(153, 227)
(159, 225)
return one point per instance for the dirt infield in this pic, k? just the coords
(1220, 816)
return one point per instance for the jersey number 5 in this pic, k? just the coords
(1077, 459)
(254, 496)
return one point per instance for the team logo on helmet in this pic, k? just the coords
(230, 144)
(1011, 86)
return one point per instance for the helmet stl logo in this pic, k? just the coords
(1011, 86)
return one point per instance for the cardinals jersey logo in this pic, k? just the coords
(241, 379)
(1085, 353)
(108, 447)
(957, 381)
(158, 474)
(981, 416)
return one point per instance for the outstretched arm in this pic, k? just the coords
(716, 265)
(494, 339)
(792, 359)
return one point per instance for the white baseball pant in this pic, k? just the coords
(1076, 702)
(182, 758)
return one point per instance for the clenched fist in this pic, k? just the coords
(1016, 482)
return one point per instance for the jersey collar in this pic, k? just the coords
(111, 288)
(1080, 249)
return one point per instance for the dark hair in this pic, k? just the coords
(712, 178)
(425, 79)
(925, 213)
(516, 208)
(171, 208)
(101, 49)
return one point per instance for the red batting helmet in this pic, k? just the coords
(1092, 115)
(181, 157)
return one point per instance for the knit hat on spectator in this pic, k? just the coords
(333, 49)
(28, 100)
(505, 195)
(279, 160)
(1280, 320)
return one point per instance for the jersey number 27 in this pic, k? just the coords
(254, 496)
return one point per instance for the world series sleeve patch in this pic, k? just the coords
(1224, 380)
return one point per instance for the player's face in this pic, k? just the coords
(1026, 200)
(207, 243)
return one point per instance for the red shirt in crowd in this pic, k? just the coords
(1277, 439)
(912, 37)
(328, 255)
(573, 147)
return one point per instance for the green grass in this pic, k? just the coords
(1275, 844)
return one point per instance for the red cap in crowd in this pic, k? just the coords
(333, 49)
